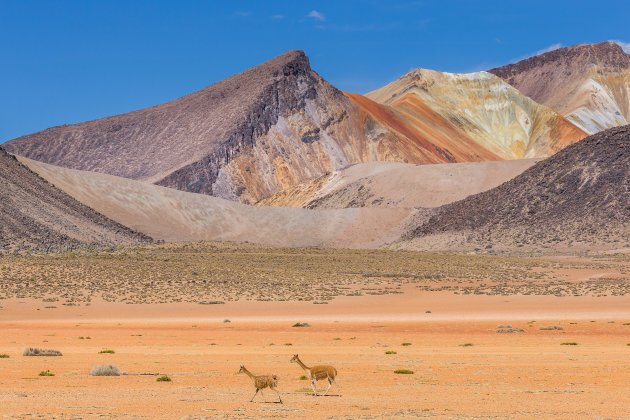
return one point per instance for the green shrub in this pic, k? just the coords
(106, 352)
(163, 379)
(4, 356)
(569, 344)
(46, 373)
(404, 372)
(466, 345)
(391, 352)
(406, 344)
(303, 378)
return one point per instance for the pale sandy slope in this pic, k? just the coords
(174, 215)
(390, 184)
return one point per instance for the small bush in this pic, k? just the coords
(551, 328)
(406, 344)
(46, 373)
(34, 351)
(391, 352)
(466, 345)
(105, 370)
(163, 379)
(303, 378)
(404, 372)
(288, 344)
(301, 324)
(4, 356)
(569, 344)
(106, 352)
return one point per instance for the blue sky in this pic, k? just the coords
(63, 62)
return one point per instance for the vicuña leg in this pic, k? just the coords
(278, 395)
(329, 385)
(252, 400)
(314, 386)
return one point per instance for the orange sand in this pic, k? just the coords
(518, 375)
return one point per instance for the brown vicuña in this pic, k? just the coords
(261, 382)
(318, 372)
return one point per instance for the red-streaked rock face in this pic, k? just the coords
(587, 83)
(476, 112)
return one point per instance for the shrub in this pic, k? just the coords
(163, 379)
(105, 370)
(551, 328)
(4, 356)
(288, 344)
(106, 351)
(404, 372)
(303, 378)
(301, 324)
(34, 351)
(406, 344)
(46, 373)
(391, 352)
(569, 344)
(466, 345)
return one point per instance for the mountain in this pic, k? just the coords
(587, 83)
(402, 185)
(477, 108)
(36, 215)
(244, 138)
(579, 198)
(172, 215)
(279, 124)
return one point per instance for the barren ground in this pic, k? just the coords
(463, 368)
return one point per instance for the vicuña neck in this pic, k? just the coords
(247, 372)
(299, 362)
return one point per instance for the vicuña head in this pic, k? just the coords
(242, 369)
(294, 359)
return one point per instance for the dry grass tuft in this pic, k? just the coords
(34, 351)
(105, 370)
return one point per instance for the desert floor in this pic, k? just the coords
(462, 367)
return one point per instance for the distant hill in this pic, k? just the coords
(172, 215)
(36, 215)
(578, 198)
(279, 124)
(403, 185)
(587, 83)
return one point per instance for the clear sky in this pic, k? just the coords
(63, 62)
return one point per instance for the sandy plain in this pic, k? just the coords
(463, 367)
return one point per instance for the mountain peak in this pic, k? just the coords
(603, 54)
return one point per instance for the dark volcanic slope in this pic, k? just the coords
(34, 214)
(579, 195)
(587, 83)
(140, 144)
